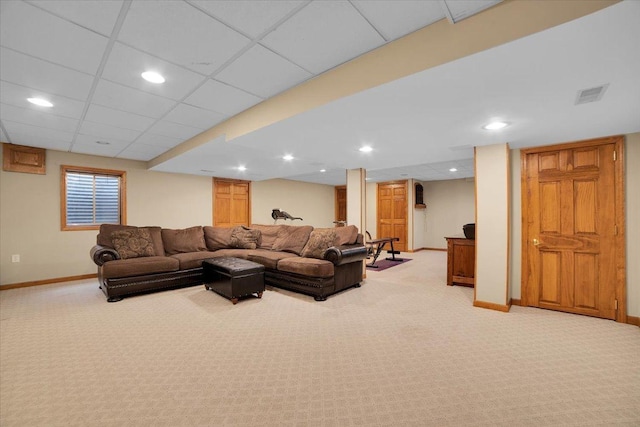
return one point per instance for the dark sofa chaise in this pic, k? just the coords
(316, 262)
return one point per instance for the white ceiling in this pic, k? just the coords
(222, 57)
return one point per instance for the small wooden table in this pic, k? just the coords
(461, 261)
(381, 244)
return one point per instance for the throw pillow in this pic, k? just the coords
(244, 238)
(133, 243)
(318, 243)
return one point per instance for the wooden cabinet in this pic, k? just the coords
(461, 261)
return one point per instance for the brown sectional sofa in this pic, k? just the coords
(317, 262)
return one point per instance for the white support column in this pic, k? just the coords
(492, 227)
(357, 199)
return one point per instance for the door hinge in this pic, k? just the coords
(615, 304)
(615, 156)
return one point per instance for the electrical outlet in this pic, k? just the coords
(15, 258)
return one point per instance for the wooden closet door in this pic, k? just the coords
(392, 212)
(231, 203)
(341, 203)
(570, 206)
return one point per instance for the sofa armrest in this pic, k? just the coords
(345, 254)
(101, 254)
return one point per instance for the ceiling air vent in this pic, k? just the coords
(591, 95)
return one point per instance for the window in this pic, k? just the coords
(90, 197)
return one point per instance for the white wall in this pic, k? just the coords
(632, 181)
(30, 215)
(450, 205)
(314, 203)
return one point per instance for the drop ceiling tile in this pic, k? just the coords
(174, 130)
(122, 119)
(34, 117)
(314, 38)
(249, 16)
(395, 18)
(180, 33)
(33, 31)
(262, 72)
(38, 74)
(139, 151)
(98, 15)
(90, 140)
(17, 95)
(461, 9)
(125, 65)
(193, 116)
(96, 149)
(135, 101)
(156, 140)
(107, 132)
(221, 98)
(50, 143)
(31, 134)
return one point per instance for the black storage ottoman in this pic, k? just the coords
(233, 278)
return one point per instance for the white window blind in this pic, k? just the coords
(92, 199)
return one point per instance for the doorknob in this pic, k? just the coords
(535, 242)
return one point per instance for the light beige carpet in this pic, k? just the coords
(402, 350)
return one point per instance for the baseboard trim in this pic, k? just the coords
(633, 320)
(47, 281)
(429, 249)
(515, 302)
(492, 306)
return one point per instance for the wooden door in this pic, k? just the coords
(341, 204)
(231, 202)
(392, 212)
(573, 217)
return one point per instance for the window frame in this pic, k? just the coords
(64, 169)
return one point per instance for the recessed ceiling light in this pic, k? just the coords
(103, 142)
(242, 168)
(287, 157)
(41, 102)
(153, 77)
(453, 170)
(495, 125)
(366, 149)
(323, 170)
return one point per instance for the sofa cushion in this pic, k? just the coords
(292, 238)
(268, 234)
(306, 266)
(133, 243)
(269, 258)
(347, 235)
(139, 266)
(244, 238)
(236, 253)
(217, 237)
(192, 259)
(319, 241)
(185, 240)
